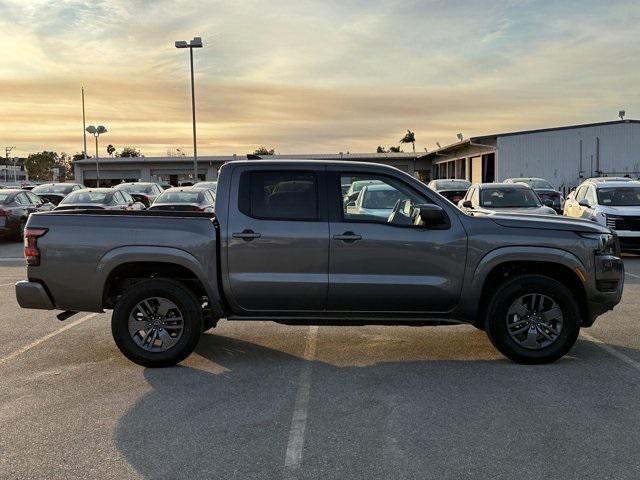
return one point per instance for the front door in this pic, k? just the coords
(378, 265)
(278, 240)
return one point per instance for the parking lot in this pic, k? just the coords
(261, 400)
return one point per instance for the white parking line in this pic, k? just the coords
(7, 284)
(632, 275)
(26, 348)
(17, 259)
(609, 349)
(293, 456)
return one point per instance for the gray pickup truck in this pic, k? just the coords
(283, 246)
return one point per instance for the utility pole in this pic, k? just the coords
(7, 152)
(84, 131)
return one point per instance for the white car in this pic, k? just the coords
(376, 200)
(615, 204)
(510, 198)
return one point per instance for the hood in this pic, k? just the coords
(549, 222)
(528, 210)
(631, 210)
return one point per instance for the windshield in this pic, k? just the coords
(3, 197)
(535, 183)
(135, 188)
(179, 197)
(86, 197)
(508, 198)
(63, 189)
(619, 196)
(208, 185)
(452, 185)
(380, 199)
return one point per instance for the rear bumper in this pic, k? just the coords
(33, 295)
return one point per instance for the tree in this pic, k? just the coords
(110, 150)
(130, 152)
(409, 137)
(395, 150)
(381, 149)
(65, 167)
(39, 165)
(263, 151)
(77, 156)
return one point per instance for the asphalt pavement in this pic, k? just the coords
(264, 401)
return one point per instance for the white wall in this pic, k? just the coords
(555, 155)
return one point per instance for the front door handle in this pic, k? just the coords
(347, 237)
(246, 235)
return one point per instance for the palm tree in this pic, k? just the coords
(110, 150)
(409, 137)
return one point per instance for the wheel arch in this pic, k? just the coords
(129, 264)
(498, 266)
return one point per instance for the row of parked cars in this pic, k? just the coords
(16, 204)
(613, 202)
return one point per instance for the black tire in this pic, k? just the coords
(192, 322)
(508, 293)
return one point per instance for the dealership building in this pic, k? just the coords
(112, 171)
(562, 155)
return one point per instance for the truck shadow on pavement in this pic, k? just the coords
(230, 416)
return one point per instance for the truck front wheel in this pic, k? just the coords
(157, 323)
(533, 319)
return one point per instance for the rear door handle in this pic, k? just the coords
(247, 235)
(347, 237)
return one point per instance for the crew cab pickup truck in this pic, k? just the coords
(283, 246)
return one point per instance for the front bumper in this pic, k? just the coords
(629, 240)
(609, 283)
(33, 295)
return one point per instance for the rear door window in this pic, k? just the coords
(282, 195)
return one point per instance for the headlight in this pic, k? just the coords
(607, 243)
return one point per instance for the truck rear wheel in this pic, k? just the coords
(157, 323)
(533, 319)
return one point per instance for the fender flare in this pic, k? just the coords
(135, 254)
(513, 254)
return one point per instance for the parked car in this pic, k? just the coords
(544, 190)
(144, 192)
(375, 199)
(453, 190)
(615, 204)
(510, 198)
(213, 186)
(15, 207)
(99, 199)
(165, 185)
(355, 187)
(55, 192)
(185, 199)
(532, 282)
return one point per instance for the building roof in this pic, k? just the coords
(230, 158)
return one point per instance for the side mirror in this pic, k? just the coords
(584, 203)
(467, 204)
(548, 203)
(431, 214)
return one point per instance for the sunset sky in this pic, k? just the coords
(310, 76)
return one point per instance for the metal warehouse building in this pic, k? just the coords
(112, 171)
(562, 155)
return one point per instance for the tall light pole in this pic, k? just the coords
(195, 43)
(96, 131)
(84, 131)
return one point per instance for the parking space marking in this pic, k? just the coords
(632, 275)
(37, 342)
(293, 456)
(612, 351)
(7, 284)
(16, 259)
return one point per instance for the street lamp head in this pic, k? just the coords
(91, 129)
(196, 42)
(182, 44)
(101, 129)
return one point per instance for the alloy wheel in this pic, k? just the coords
(156, 324)
(534, 321)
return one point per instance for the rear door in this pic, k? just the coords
(278, 239)
(375, 265)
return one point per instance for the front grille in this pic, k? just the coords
(623, 223)
(607, 285)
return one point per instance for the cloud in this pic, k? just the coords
(310, 76)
